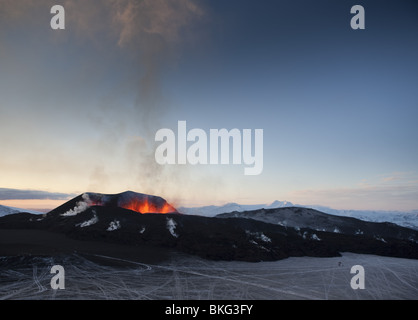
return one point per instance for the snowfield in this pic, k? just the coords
(185, 278)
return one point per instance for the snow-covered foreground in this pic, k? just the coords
(191, 278)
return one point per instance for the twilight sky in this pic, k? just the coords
(79, 108)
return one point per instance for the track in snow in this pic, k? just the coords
(187, 278)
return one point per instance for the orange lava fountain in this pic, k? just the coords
(146, 206)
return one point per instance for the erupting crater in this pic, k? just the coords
(144, 203)
(138, 202)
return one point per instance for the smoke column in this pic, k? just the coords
(148, 34)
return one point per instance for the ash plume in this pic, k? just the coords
(81, 206)
(148, 36)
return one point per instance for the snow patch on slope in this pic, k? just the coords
(114, 225)
(259, 236)
(313, 236)
(88, 223)
(171, 226)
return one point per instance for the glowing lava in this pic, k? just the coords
(147, 206)
(138, 202)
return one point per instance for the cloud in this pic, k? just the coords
(128, 20)
(400, 177)
(12, 10)
(163, 18)
(147, 34)
(118, 54)
(18, 194)
(397, 191)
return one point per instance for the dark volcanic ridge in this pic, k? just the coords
(297, 217)
(99, 222)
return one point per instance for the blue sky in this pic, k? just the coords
(79, 108)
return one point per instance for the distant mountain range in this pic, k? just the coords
(211, 211)
(299, 218)
(4, 211)
(405, 219)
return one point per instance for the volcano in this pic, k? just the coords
(136, 226)
(138, 202)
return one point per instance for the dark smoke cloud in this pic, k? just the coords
(148, 35)
(152, 30)
(149, 31)
(17, 194)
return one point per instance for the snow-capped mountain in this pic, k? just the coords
(211, 211)
(4, 211)
(405, 219)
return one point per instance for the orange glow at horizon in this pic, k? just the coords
(37, 205)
